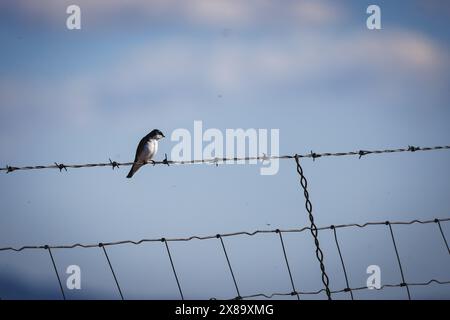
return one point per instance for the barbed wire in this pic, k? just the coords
(222, 160)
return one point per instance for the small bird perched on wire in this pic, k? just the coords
(146, 149)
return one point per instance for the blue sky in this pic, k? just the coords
(308, 68)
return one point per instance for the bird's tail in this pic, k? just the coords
(133, 170)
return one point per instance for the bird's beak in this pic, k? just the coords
(163, 135)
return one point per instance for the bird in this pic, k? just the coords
(147, 148)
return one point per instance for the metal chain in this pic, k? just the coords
(313, 229)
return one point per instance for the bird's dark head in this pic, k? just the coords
(156, 134)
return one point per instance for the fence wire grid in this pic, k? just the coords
(312, 228)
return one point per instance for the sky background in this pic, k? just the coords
(308, 68)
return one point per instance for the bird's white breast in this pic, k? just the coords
(150, 149)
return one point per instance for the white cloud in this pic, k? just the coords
(186, 67)
(416, 50)
(314, 13)
(219, 13)
(236, 12)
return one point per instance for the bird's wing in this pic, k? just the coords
(139, 149)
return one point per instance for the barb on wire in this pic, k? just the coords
(216, 160)
(314, 155)
(165, 161)
(313, 228)
(60, 166)
(10, 169)
(114, 164)
(362, 153)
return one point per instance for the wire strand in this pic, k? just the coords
(313, 227)
(112, 271)
(342, 261)
(56, 272)
(272, 295)
(224, 235)
(216, 161)
(294, 291)
(442, 234)
(398, 260)
(173, 268)
(238, 297)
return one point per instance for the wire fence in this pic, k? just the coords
(313, 229)
(217, 161)
(279, 233)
